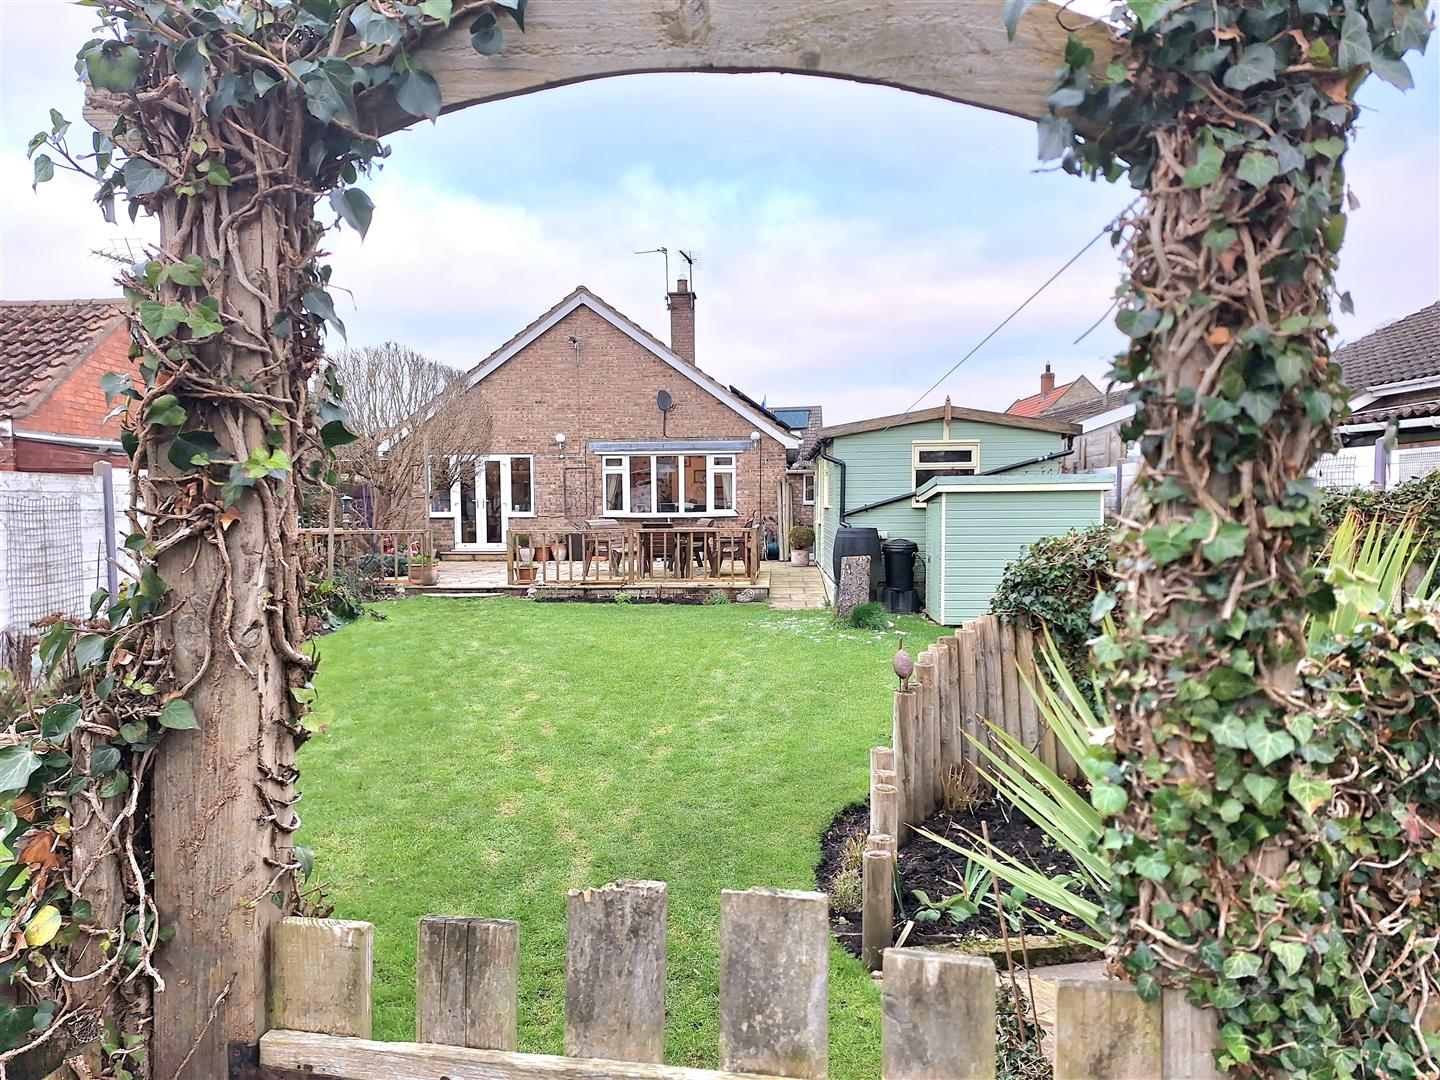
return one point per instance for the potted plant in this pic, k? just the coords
(422, 570)
(802, 539)
(523, 551)
(558, 551)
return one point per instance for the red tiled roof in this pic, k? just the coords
(41, 340)
(1036, 404)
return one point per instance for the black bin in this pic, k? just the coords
(899, 557)
(856, 540)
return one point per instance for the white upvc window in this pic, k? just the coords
(807, 488)
(669, 485)
(941, 457)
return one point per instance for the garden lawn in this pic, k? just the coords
(481, 757)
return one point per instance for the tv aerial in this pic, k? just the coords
(692, 262)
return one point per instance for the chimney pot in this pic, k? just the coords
(1047, 380)
(682, 321)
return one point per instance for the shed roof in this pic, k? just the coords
(956, 412)
(1019, 482)
(42, 340)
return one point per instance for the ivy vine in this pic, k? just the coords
(1235, 852)
(230, 121)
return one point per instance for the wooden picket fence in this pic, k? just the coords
(938, 1009)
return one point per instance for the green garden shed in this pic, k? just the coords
(975, 525)
(970, 487)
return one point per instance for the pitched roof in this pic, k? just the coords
(957, 412)
(1084, 410)
(806, 420)
(1408, 348)
(41, 341)
(582, 296)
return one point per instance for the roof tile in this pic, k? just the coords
(40, 340)
(1408, 348)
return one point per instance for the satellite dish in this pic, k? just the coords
(664, 400)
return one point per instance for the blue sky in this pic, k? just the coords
(856, 240)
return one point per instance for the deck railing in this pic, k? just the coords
(384, 556)
(702, 555)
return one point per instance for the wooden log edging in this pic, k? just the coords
(467, 977)
(615, 971)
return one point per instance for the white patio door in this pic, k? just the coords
(482, 500)
(487, 495)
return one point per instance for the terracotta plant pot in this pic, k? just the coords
(800, 557)
(424, 574)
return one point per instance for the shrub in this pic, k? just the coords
(1055, 582)
(868, 616)
(802, 537)
(717, 599)
(1418, 499)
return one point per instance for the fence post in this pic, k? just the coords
(928, 778)
(1103, 1031)
(615, 972)
(320, 976)
(882, 758)
(1036, 735)
(969, 697)
(939, 1016)
(906, 738)
(466, 982)
(877, 915)
(955, 754)
(993, 707)
(1010, 681)
(774, 983)
(885, 810)
(1191, 1035)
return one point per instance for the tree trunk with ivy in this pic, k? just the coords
(1232, 120)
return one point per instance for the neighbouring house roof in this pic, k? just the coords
(1040, 404)
(1419, 404)
(1084, 410)
(42, 341)
(956, 412)
(805, 420)
(583, 297)
(1408, 348)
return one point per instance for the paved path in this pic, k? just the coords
(795, 588)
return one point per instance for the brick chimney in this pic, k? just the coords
(682, 321)
(1047, 380)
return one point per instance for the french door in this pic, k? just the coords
(487, 496)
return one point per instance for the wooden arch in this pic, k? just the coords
(950, 49)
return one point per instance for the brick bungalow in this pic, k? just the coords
(594, 417)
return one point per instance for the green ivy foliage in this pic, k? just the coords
(1232, 871)
(1054, 583)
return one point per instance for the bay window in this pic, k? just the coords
(670, 484)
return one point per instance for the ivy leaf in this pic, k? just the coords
(160, 320)
(204, 319)
(43, 926)
(417, 93)
(191, 65)
(1056, 134)
(113, 66)
(306, 858)
(1152, 867)
(1209, 159)
(438, 9)
(44, 170)
(1309, 791)
(317, 302)
(1230, 732)
(335, 433)
(517, 11)
(63, 717)
(1148, 12)
(1257, 64)
(1355, 47)
(143, 177)
(354, 208)
(1164, 544)
(103, 759)
(1393, 70)
(1260, 787)
(1291, 955)
(1107, 798)
(1135, 323)
(374, 28)
(190, 273)
(1258, 168)
(192, 448)
(485, 36)
(1242, 965)
(177, 715)
(1011, 15)
(16, 765)
(89, 649)
(1229, 542)
(1268, 744)
(166, 411)
(1289, 366)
